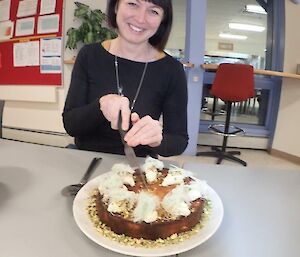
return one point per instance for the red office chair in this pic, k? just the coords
(233, 83)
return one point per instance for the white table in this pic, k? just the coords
(36, 220)
(261, 212)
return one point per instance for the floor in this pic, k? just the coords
(245, 112)
(254, 158)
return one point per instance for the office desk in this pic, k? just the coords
(261, 207)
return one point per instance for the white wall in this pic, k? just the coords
(287, 138)
(211, 45)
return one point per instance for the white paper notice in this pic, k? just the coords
(27, 8)
(51, 49)
(6, 30)
(47, 6)
(25, 26)
(4, 10)
(48, 24)
(26, 54)
(51, 65)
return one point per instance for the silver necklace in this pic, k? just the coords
(120, 88)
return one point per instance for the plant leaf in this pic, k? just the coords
(81, 11)
(99, 15)
(89, 38)
(91, 28)
(72, 38)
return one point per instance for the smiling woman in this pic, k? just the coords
(130, 74)
(136, 22)
(157, 9)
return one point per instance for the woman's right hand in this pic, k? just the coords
(110, 105)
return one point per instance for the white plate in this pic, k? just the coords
(85, 224)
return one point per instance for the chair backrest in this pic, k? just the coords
(233, 82)
(2, 102)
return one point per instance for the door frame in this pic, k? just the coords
(196, 76)
(194, 53)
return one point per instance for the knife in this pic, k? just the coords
(129, 152)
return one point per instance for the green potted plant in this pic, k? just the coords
(92, 27)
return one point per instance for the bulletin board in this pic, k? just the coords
(27, 75)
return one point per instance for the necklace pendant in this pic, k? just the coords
(120, 88)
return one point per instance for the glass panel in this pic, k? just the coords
(250, 50)
(221, 16)
(252, 111)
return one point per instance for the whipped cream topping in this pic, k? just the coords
(174, 202)
(125, 172)
(144, 205)
(146, 208)
(175, 176)
(109, 182)
(197, 189)
(120, 200)
(122, 168)
(178, 201)
(114, 191)
(151, 168)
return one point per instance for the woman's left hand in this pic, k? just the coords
(145, 131)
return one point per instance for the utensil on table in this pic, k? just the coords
(129, 152)
(72, 190)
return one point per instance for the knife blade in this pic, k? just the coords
(129, 152)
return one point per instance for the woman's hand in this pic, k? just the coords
(110, 105)
(145, 131)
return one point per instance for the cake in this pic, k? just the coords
(171, 201)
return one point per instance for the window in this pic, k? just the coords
(236, 34)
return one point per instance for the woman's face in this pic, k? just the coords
(138, 20)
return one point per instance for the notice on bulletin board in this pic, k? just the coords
(48, 24)
(51, 61)
(27, 8)
(6, 30)
(25, 26)
(4, 10)
(26, 54)
(47, 6)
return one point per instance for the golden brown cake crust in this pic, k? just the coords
(158, 229)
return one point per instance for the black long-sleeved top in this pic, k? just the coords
(163, 91)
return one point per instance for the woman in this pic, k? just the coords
(130, 74)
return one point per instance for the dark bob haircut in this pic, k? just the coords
(160, 38)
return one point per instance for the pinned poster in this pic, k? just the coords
(6, 30)
(47, 6)
(4, 10)
(51, 49)
(48, 24)
(27, 8)
(25, 26)
(26, 54)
